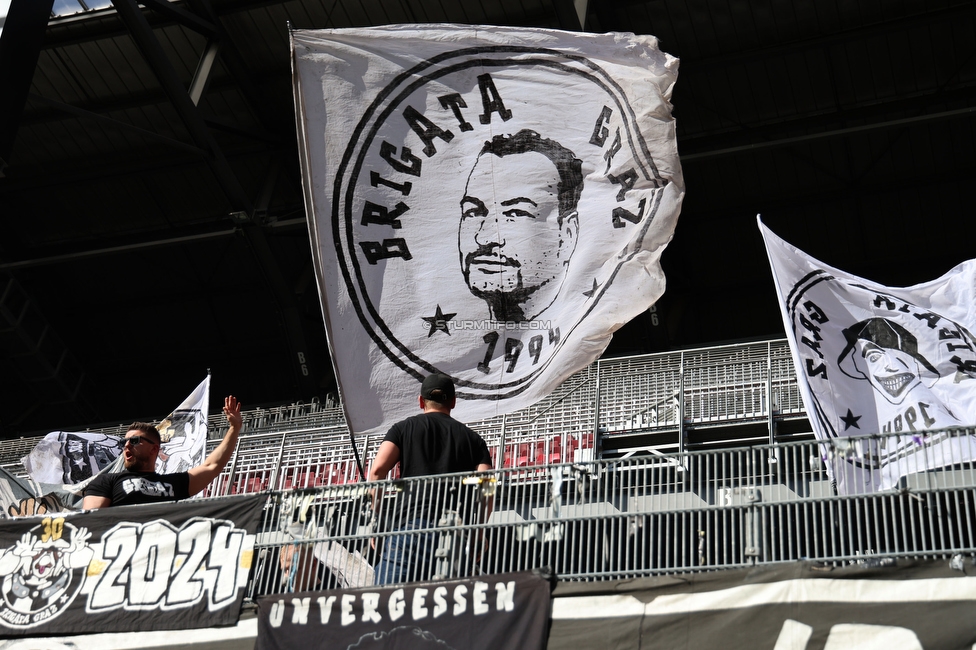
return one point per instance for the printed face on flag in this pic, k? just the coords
(885, 362)
(483, 198)
(184, 432)
(886, 354)
(881, 359)
(518, 201)
(516, 237)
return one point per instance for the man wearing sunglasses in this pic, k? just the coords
(140, 483)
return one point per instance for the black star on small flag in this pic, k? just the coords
(850, 420)
(592, 292)
(438, 322)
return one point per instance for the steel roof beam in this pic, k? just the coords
(101, 252)
(181, 16)
(234, 62)
(146, 40)
(569, 15)
(201, 77)
(86, 169)
(809, 197)
(773, 129)
(151, 97)
(835, 133)
(914, 22)
(65, 258)
(304, 373)
(117, 124)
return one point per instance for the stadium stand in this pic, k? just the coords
(648, 404)
(617, 407)
(634, 466)
(656, 514)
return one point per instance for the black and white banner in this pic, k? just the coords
(184, 432)
(487, 202)
(508, 610)
(171, 566)
(71, 460)
(876, 359)
(67, 457)
(909, 606)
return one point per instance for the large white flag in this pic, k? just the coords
(73, 459)
(184, 432)
(875, 359)
(486, 202)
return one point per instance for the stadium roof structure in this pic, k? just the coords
(152, 224)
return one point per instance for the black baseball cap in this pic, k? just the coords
(437, 382)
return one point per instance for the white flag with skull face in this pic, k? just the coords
(874, 359)
(486, 202)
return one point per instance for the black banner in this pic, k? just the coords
(878, 604)
(125, 569)
(509, 610)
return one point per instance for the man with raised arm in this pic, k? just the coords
(140, 483)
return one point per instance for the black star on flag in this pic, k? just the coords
(850, 420)
(438, 322)
(592, 292)
(961, 376)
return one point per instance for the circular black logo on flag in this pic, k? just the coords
(41, 574)
(484, 208)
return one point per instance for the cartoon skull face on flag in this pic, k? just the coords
(490, 203)
(885, 360)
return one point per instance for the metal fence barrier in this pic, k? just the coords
(615, 519)
(631, 405)
(653, 403)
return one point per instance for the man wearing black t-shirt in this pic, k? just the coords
(140, 483)
(426, 444)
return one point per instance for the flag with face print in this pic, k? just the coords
(873, 359)
(490, 203)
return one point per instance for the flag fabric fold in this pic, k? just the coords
(69, 461)
(184, 432)
(65, 457)
(487, 202)
(874, 359)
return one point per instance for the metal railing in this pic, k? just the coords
(642, 404)
(650, 403)
(613, 519)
